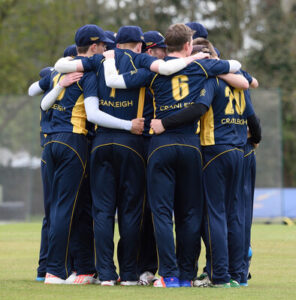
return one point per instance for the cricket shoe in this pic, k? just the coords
(52, 279)
(202, 281)
(185, 283)
(221, 285)
(234, 283)
(71, 278)
(40, 278)
(108, 283)
(168, 282)
(147, 278)
(128, 283)
(86, 279)
(244, 284)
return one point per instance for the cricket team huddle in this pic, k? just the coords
(158, 133)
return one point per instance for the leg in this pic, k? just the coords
(103, 189)
(188, 211)
(68, 172)
(131, 193)
(161, 195)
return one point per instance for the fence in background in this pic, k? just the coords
(20, 152)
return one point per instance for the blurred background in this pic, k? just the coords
(259, 33)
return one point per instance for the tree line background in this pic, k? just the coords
(34, 34)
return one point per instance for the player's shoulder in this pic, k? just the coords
(95, 59)
(214, 83)
(125, 52)
(88, 77)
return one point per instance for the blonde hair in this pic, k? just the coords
(130, 46)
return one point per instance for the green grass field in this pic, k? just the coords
(273, 269)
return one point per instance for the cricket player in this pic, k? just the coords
(223, 136)
(66, 151)
(147, 261)
(37, 88)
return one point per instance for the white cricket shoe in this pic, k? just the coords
(71, 278)
(52, 279)
(202, 281)
(108, 283)
(128, 283)
(86, 279)
(147, 278)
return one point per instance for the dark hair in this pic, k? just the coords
(176, 36)
(82, 49)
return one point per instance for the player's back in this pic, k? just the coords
(125, 104)
(225, 123)
(68, 112)
(174, 93)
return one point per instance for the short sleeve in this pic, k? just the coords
(139, 78)
(144, 60)
(92, 63)
(213, 67)
(89, 85)
(208, 92)
(44, 83)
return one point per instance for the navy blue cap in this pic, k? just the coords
(45, 71)
(110, 35)
(217, 51)
(200, 30)
(70, 51)
(154, 39)
(129, 34)
(89, 34)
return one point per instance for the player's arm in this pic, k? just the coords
(133, 79)
(68, 65)
(96, 116)
(85, 64)
(253, 121)
(35, 89)
(235, 80)
(65, 81)
(185, 116)
(214, 67)
(254, 129)
(175, 65)
(115, 80)
(39, 87)
(253, 82)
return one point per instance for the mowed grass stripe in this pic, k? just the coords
(273, 270)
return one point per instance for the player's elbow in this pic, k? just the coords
(59, 66)
(109, 81)
(30, 92)
(44, 106)
(91, 117)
